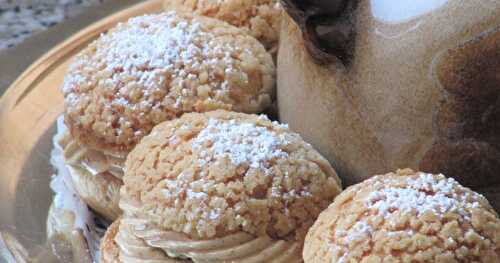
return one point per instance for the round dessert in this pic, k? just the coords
(406, 216)
(222, 187)
(155, 68)
(259, 18)
(147, 70)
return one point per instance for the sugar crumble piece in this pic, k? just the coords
(243, 143)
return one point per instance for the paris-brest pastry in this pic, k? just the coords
(259, 18)
(406, 216)
(219, 187)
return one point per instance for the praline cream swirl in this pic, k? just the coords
(140, 240)
(95, 162)
(68, 211)
(96, 176)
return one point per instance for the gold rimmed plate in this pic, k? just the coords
(28, 112)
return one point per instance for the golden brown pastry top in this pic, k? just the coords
(408, 216)
(260, 18)
(208, 175)
(154, 68)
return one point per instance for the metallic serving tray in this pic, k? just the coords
(28, 111)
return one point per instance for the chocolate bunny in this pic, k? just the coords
(377, 85)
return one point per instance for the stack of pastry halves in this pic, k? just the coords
(152, 70)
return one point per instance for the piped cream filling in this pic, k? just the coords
(134, 249)
(138, 240)
(95, 162)
(66, 202)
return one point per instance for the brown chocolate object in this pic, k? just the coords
(421, 90)
(327, 26)
(473, 163)
(467, 122)
(492, 193)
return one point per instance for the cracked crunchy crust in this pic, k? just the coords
(191, 179)
(154, 68)
(406, 217)
(260, 18)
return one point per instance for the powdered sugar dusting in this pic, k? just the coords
(154, 68)
(243, 143)
(406, 216)
(141, 57)
(422, 194)
(146, 51)
(361, 230)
